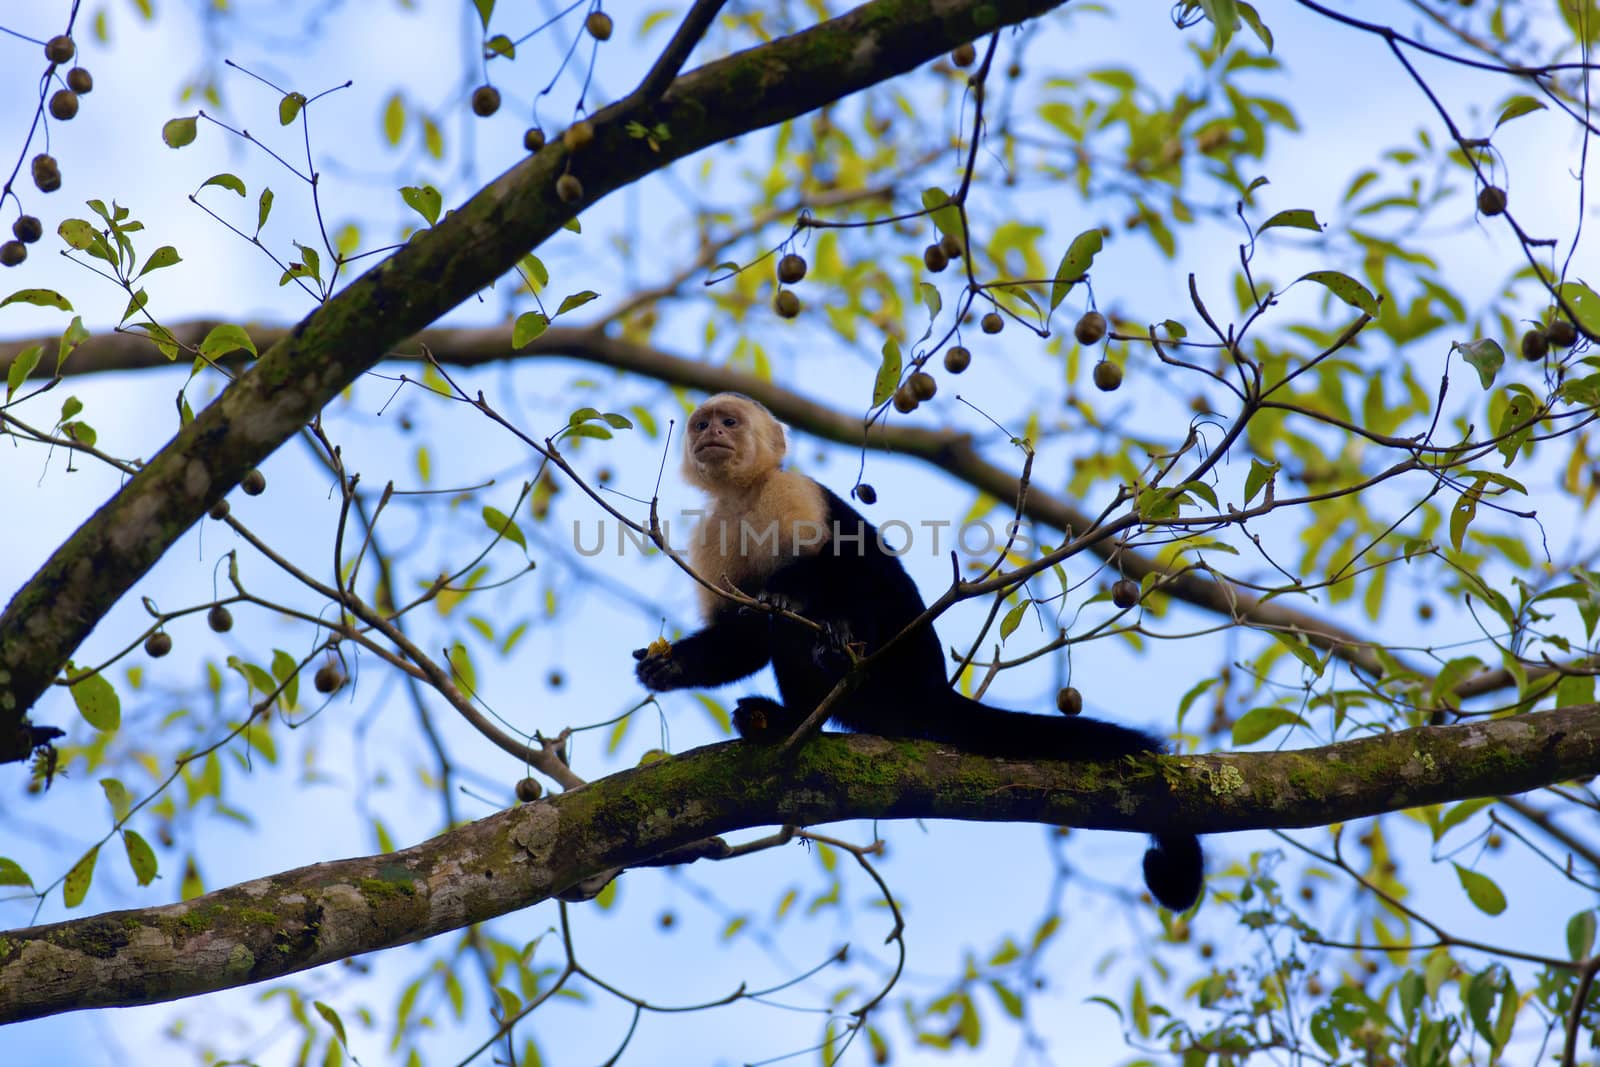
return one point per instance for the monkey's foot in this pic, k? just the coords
(763, 720)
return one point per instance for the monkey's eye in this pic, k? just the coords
(701, 425)
(730, 421)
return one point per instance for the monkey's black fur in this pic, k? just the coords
(864, 596)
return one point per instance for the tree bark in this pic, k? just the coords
(330, 911)
(436, 270)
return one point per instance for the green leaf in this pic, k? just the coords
(718, 713)
(1459, 814)
(529, 325)
(1481, 890)
(224, 339)
(888, 372)
(331, 1017)
(424, 200)
(1517, 107)
(179, 132)
(1465, 510)
(263, 208)
(45, 298)
(117, 795)
(1075, 264)
(1295, 218)
(1345, 288)
(76, 886)
(394, 119)
(227, 181)
(1257, 723)
(78, 233)
(97, 702)
(1013, 618)
(485, 9)
(11, 873)
(617, 422)
(1224, 15)
(942, 210)
(289, 107)
(1580, 933)
(21, 367)
(141, 857)
(1260, 476)
(502, 524)
(1253, 20)
(1585, 304)
(1484, 356)
(535, 269)
(576, 300)
(165, 256)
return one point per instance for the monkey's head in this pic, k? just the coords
(733, 443)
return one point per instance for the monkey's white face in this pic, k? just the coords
(728, 443)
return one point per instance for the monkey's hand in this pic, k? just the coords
(836, 648)
(778, 602)
(656, 670)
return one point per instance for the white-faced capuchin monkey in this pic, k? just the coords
(782, 537)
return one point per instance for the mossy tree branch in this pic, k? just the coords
(439, 268)
(330, 911)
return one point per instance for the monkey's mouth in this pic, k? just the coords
(713, 446)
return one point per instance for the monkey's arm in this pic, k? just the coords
(734, 646)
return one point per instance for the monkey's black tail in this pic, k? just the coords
(1174, 866)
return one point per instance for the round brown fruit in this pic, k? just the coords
(219, 510)
(992, 322)
(964, 55)
(529, 790)
(80, 81)
(1090, 329)
(1125, 592)
(957, 359)
(254, 483)
(951, 245)
(219, 619)
(1107, 376)
(599, 25)
(555, 680)
(791, 268)
(63, 104)
(905, 401)
(29, 229)
(158, 644)
(1560, 332)
(866, 494)
(1535, 345)
(922, 385)
(13, 253)
(569, 189)
(1491, 200)
(578, 136)
(1425, 611)
(485, 100)
(533, 140)
(60, 49)
(786, 304)
(934, 259)
(328, 679)
(46, 173)
(1069, 701)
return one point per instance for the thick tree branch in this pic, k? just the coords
(330, 911)
(435, 271)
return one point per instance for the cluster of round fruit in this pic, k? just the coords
(46, 172)
(1537, 342)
